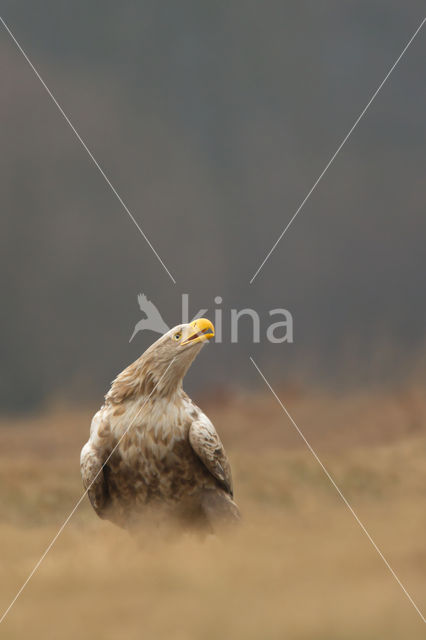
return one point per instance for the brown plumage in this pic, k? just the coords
(151, 450)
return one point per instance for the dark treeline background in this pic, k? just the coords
(213, 120)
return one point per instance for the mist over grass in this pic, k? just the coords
(299, 566)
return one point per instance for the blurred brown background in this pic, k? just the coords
(213, 120)
(299, 566)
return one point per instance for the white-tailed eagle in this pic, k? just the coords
(151, 449)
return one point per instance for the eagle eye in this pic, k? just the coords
(177, 336)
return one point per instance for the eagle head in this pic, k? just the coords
(183, 337)
(160, 370)
(172, 354)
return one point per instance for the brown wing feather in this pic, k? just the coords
(208, 447)
(95, 479)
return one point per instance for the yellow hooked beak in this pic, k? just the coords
(199, 331)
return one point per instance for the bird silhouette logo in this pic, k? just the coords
(153, 320)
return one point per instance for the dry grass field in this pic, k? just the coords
(299, 566)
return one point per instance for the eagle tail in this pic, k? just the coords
(219, 508)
